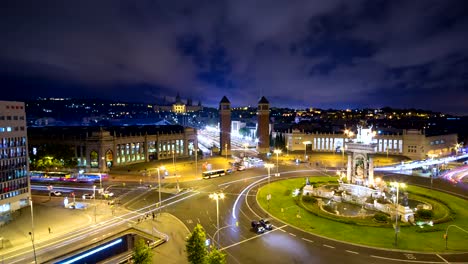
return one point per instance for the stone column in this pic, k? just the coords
(349, 170)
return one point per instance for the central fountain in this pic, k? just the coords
(360, 194)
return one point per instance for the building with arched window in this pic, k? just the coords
(100, 148)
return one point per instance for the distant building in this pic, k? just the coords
(411, 143)
(100, 148)
(14, 182)
(178, 106)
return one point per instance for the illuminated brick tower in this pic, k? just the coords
(225, 126)
(263, 126)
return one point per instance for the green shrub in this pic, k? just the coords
(424, 214)
(309, 199)
(380, 217)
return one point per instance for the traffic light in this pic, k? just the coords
(445, 236)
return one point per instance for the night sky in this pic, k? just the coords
(297, 53)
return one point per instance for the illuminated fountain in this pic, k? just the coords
(360, 194)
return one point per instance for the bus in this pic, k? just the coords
(213, 173)
(91, 177)
(42, 176)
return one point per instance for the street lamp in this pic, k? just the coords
(173, 162)
(305, 148)
(277, 152)
(268, 166)
(217, 197)
(94, 197)
(159, 186)
(397, 185)
(32, 229)
(246, 145)
(225, 149)
(348, 134)
(196, 162)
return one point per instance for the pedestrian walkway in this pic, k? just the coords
(52, 220)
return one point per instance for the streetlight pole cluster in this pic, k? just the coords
(159, 187)
(277, 152)
(397, 185)
(217, 197)
(269, 166)
(305, 148)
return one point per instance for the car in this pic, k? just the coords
(87, 196)
(257, 227)
(266, 224)
(108, 194)
(56, 193)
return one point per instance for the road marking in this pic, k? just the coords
(442, 258)
(189, 221)
(405, 260)
(292, 234)
(328, 246)
(410, 256)
(198, 219)
(248, 239)
(352, 252)
(284, 231)
(308, 240)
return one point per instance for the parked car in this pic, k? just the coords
(266, 224)
(87, 196)
(257, 227)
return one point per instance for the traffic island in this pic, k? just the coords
(287, 204)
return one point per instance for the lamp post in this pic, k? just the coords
(305, 148)
(32, 229)
(94, 201)
(277, 152)
(397, 185)
(246, 145)
(173, 162)
(217, 197)
(225, 149)
(268, 166)
(196, 162)
(159, 187)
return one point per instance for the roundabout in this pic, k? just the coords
(289, 206)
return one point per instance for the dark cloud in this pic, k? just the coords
(302, 53)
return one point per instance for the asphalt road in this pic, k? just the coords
(284, 244)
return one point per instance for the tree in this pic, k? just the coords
(195, 247)
(216, 257)
(142, 253)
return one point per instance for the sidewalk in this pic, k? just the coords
(61, 221)
(172, 251)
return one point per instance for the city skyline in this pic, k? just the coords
(368, 54)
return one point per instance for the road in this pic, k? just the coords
(284, 244)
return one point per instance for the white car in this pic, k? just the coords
(87, 196)
(56, 193)
(107, 193)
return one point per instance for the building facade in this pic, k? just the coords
(14, 182)
(413, 144)
(100, 148)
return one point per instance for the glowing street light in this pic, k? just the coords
(397, 185)
(246, 145)
(269, 166)
(305, 148)
(159, 186)
(277, 152)
(217, 197)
